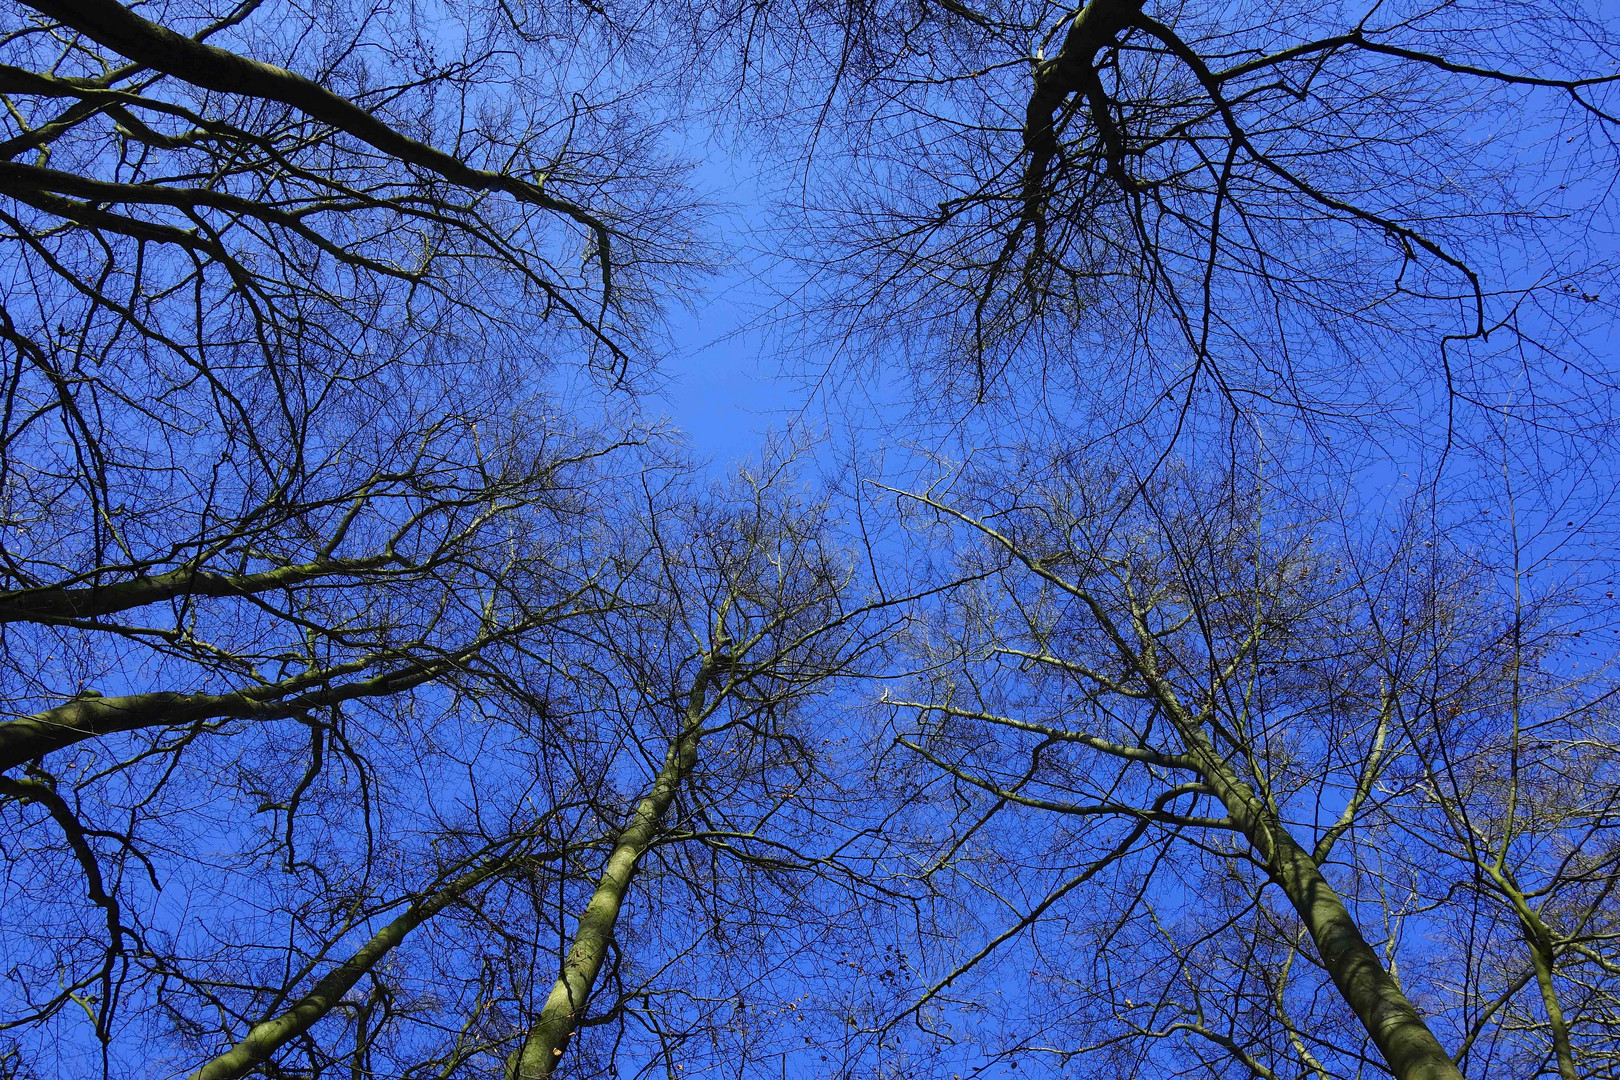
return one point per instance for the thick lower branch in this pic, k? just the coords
(51, 605)
(1069, 72)
(118, 28)
(82, 718)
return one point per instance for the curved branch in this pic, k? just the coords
(118, 28)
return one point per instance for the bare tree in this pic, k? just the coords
(365, 713)
(1257, 758)
(259, 313)
(281, 482)
(273, 674)
(267, 335)
(1516, 770)
(751, 613)
(583, 835)
(1120, 212)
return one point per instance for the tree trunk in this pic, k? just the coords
(542, 1051)
(1397, 1029)
(268, 1036)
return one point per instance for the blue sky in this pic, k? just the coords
(723, 387)
(733, 374)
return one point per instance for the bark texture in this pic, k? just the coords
(542, 1050)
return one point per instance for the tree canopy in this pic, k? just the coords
(1182, 643)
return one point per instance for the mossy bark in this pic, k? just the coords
(542, 1050)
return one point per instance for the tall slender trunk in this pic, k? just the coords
(1397, 1029)
(1541, 955)
(268, 1036)
(542, 1050)
(1543, 960)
